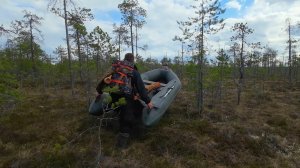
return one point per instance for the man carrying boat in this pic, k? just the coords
(131, 111)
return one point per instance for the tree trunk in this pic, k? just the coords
(79, 54)
(119, 46)
(268, 64)
(68, 47)
(101, 65)
(31, 47)
(240, 84)
(221, 82)
(98, 63)
(88, 80)
(131, 33)
(136, 39)
(290, 55)
(200, 67)
(182, 63)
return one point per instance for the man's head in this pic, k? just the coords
(129, 57)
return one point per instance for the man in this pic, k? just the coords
(131, 113)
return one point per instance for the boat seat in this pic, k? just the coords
(150, 82)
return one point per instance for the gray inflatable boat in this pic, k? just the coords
(161, 97)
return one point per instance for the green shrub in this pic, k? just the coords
(8, 83)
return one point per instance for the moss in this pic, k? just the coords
(45, 122)
(160, 162)
(199, 126)
(57, 147)
(61, 159)
(61, 139)
(278, 121)
(6, 149)
(259, 96)
(195, 161)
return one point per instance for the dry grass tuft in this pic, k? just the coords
(53, 129)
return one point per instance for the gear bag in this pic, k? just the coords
(122, 76)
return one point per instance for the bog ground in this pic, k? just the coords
(52, 129)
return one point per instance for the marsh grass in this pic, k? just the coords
(53, 129)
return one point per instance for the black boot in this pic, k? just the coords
(139, 131)
(123, 140)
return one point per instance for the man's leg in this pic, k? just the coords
(126, 119)
(139, 128)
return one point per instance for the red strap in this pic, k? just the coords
(117, 81)
(123, 66)
(122, 74)
(128, 67)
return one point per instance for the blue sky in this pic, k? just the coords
(114, 15)
(267, 17)
(230, 12)
(234, 12)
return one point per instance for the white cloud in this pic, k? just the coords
(161, 27)
(267, 17)
(161, 24)
(101, 5)
(234, 4)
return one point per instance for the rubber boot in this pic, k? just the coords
(122, 140)
(139, 131)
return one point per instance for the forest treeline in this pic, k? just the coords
(88, 55)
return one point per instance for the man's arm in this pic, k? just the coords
(141, 87)
(100, 86)
(102, 83)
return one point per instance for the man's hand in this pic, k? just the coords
(150, 105)
(136, 97)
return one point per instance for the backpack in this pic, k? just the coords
(122, 73)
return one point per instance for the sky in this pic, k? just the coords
(266, 17)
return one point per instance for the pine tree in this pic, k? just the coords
(64, 14)
(242, 31)
(100, 43)
(121, 33)
(76, 19)
(32, 21)
(223, 61)
(206, 21)
(133, 16)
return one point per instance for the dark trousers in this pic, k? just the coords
(131, 117)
